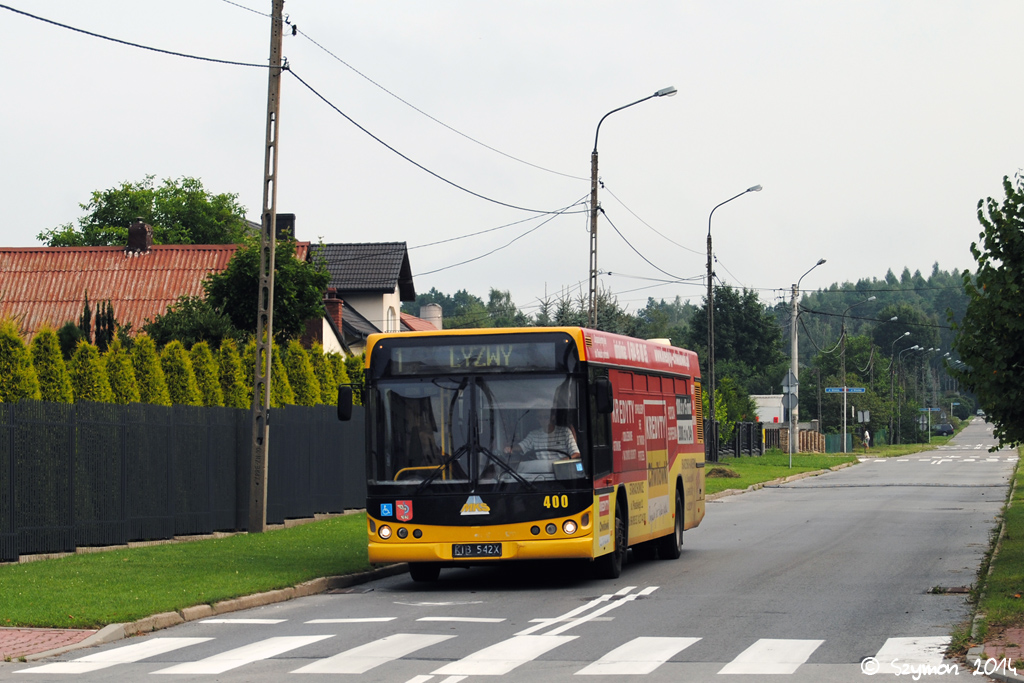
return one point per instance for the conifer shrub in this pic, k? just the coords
(89, 374)
(52, 371)
(121, 374)
(207, 374)
(281, 393)
(68, 336)
(337, 362)
(149, 374)
(301, 377)
(17, 375)
(324, 374)
(354, 368)
(235, 381)
(181, 378)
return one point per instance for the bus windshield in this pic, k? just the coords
(477, 433)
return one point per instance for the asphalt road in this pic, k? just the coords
(800, 582)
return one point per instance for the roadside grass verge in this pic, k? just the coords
(95, 589)
(772, 465)
(1000, 589)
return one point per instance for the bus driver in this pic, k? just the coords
(550, 438)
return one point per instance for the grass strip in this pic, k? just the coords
(772, 465)
(96, 589)
(1002, 591)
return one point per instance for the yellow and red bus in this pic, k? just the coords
(490, 445)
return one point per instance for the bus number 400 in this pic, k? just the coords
(556, 501)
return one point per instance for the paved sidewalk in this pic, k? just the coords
(19, 642)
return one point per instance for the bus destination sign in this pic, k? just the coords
(479, 357)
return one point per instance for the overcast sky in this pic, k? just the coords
(874, 127)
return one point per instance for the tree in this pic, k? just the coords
(298, 288)
(233, 379)
(990, 338)
(324, 374)
(121, 374)
(68, 337)
(85, 321)
(281, 393)
(181, 378)
(356, 376)
(181, 212)
(54, 380)
(149, 375)
(18, 378)
(190, 320)
(303, 381)
(207, 374)
(89, 374)
(503, 312)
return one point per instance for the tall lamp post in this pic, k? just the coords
(892, 380)
(664, 92)
(794, 411)
(899, 405)
(711, 314)
(842, 357)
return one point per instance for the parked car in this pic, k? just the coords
(944, 429)
(981, 413)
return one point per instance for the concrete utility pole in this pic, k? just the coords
(265, 312)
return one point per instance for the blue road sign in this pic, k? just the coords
(849, 390)
(929, 410)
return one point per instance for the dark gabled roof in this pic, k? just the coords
(369, 267)
(353, 325)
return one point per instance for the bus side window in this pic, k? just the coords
(600, 423)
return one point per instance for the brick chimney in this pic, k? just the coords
(140, 237)
(333, 304)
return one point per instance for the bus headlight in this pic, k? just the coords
(569, 527)
(385, 531)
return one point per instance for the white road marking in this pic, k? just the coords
(352, 620)
(500, 658)
(361, 659)
(470, 620)
(639, 656)
(243, 621)
(232, 659)
(572, 613)
(598, 612)
(122, 655)
(928, 650)
(772, 656)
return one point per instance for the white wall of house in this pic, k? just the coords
(379, 309)
(331, 343)
(769, 407)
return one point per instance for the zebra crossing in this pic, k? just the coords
(950, 454)
(637, 656)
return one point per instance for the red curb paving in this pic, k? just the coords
(21, 642)
(1008, 644)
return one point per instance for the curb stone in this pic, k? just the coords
(776, 482)
(156, 622)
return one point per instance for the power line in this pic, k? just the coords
(634, 248)
(666, 237)
(411, 161)
(131, 44)
(298, 31)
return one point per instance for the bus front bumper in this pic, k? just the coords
(560, 548)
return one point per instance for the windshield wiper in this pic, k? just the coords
(445, 461)
(508, 468)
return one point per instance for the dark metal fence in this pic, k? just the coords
(747, 439)
(102, 474)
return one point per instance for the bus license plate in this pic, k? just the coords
(476, 550)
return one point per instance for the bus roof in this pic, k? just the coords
(604, 348)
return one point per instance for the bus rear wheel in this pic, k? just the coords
(671, 547)
(610, 566)
(424, 572)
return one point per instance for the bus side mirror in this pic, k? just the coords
(603, 399)
(344, 403)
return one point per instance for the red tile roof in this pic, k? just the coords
(417, 324)
(48, 284)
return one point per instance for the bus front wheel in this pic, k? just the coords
(610, 566)
(424, 572)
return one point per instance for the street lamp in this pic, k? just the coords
(711, 314)
(899, 405)
(842, 357)
(794, 411)
(664, 92)
(892, 379)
